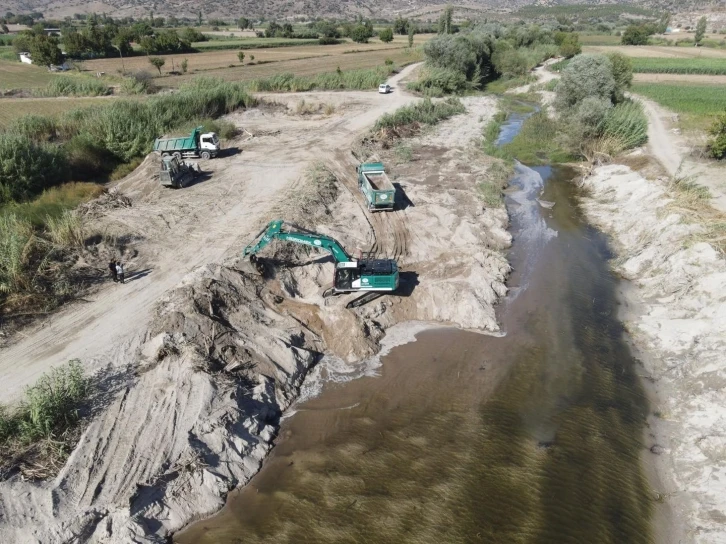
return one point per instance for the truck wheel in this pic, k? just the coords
(177, 155)
(206, 156)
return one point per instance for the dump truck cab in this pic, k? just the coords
(209, 142)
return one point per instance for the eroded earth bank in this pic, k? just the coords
(198, 361)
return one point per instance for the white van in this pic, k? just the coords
(384, 88)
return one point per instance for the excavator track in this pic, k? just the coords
(365, 299)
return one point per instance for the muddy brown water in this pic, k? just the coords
(533, 437)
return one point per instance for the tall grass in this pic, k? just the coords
(627, 124)
(17, 243)
(363, 79)
(426, 112)
(37, 435)
(73, 86)
(706, 66)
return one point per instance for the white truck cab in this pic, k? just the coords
(384, 88)
(209, 141)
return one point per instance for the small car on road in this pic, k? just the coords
(384, 88)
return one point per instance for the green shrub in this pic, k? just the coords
(585, 76)
(34, 127)
(440, 81)
(88, 159)
(622, 70)
(424, 112)
(540, 141)
(17, 238)
(627, 124)
(52, 404)
(717, 143)
(590, 114)
(28, 167)
(138, 83)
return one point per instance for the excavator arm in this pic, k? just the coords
(274, 230)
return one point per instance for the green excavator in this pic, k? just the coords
(375, 277)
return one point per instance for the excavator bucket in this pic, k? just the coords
(252, 265)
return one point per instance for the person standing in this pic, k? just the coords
(112, 268)
(120, 271)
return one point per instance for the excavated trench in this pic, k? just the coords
(530, 437)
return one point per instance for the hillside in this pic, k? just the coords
(426, 10)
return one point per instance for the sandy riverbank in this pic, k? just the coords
(676, 316)
(192, 410)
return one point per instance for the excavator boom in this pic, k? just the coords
(300, 236)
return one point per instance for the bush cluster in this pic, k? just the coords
(590, 97)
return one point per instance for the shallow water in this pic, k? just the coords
(533, 437)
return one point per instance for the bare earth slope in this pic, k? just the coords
(197, 360)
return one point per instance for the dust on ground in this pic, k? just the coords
(196, 360)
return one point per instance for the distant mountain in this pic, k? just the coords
(280, 9)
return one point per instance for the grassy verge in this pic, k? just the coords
(38, 435)
(692, 200)
(53, 202)
(364, 79)
(73, 86)
(502, 85)
(706, 66)
(698, 103)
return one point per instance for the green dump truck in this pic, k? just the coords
(195, 145)
(379, 192)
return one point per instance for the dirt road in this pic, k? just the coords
(171, 233)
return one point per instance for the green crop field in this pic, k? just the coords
(599, 39)
(698, 103)
(249, 43)
(13, 108)
(706, 66)
(16, 75)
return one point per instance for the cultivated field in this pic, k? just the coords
(302, 67)
(680, 78)
(663, 51)
(213, 60)
(697, 102)
(15, 75)
(671, 65)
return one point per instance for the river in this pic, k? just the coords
(532, 437)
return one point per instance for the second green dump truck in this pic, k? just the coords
(196, 145)
(379, 192)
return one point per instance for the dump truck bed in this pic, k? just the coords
(379, 181)
(376, 187)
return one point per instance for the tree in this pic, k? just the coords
(243, 23)
(359, 34)
(622, 70)
(45, 51)
(386, 35)
(272, 29)
(400, 26)
(411, 32)
(585, 76)
(184, 66)
(635, 35)
(569, 43)
(157, 62)
(241, 56)
(199, 18)
(717, 144)
(147, 45)
(700, 30)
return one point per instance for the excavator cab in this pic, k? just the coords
(367, 275)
